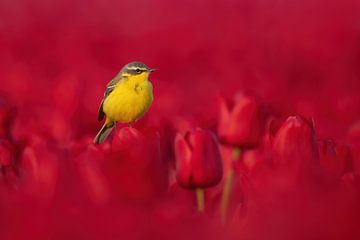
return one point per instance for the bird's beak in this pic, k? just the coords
(152, 70)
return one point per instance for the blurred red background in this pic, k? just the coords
(298, 57)
(301, 57)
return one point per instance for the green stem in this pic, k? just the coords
(200, 199)
(228, 185)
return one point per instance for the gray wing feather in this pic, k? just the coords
(109, 88)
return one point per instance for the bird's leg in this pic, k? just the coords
(115, 126)
(130, 124)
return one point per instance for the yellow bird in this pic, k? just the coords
(126, 99)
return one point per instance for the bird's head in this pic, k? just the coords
(136, 69)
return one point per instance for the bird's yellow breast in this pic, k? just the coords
(130, 99)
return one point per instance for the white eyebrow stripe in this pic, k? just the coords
(133, 68)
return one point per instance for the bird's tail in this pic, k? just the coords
(104, 132)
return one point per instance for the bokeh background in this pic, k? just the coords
(300, 57)
(56, 57)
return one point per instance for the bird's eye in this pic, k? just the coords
(138, 70)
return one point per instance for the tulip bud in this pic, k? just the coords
(127, 140)
(295, 142)
(89, 160)
(40, 167)
(241, 125)
(198, 161)
(136, 167)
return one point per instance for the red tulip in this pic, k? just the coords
(242, 124)
(295, 153)
(198, 161)
(126, 140)
(89, 160)
(40, 168)
(136, 167)
(295, 142)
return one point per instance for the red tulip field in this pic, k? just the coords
(253, 131)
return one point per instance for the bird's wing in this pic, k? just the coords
(109, 88)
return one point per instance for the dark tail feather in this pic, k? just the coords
(103, 133)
